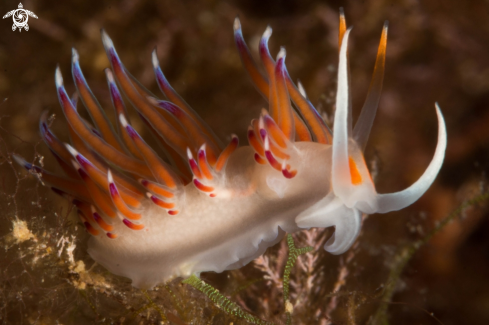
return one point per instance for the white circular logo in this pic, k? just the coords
(20, 17)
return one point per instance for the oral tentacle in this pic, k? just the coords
(399, 200)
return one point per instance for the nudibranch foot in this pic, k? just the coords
(203, 206)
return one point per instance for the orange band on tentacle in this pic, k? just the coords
(175, 98)
(176, 160)
(202, 187)
(269, 155)
(57, 148)
(163, 127)
(192, 128)
(274, 131)
(254, 142)
(342, 28)
(301, 131)
(94, 109)
(118, 201)
(101, 199)
(100, 146)
(85, 214)
(120, 108)
(85, 208)
(259, 159)
(285, 115)
(269, 65)
(161, 171)
(68, 185)
(101, 222)
(159, 202)
(99, 177)
(286, 171)
(204, 166)
(278, 136)
(313, 120)
(194, 166)
(156, 189)
(319, 129)
(221, 162)
(277, 152)
(167, 116)
(100, 164)
(260, 82)
(88, 226)
(87, 152)
(132, 225)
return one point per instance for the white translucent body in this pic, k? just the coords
(256, 205)
(250, 214)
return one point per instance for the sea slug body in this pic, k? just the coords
(206, 206)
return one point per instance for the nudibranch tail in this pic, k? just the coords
(203, 206)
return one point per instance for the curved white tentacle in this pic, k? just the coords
(399, 200)
(340, 169)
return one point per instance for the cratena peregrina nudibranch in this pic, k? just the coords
(206, 206)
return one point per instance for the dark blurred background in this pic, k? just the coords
(438, 51)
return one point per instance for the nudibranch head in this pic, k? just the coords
(206, 206)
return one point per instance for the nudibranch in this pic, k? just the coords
(206, 206)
